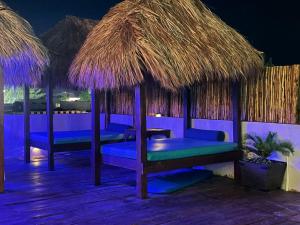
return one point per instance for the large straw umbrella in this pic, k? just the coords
(176, 43)
(22, 62)
(63, 41)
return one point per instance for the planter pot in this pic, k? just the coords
(263, 177)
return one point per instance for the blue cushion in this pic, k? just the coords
(207, 135)
(77, 136)
(176, 180)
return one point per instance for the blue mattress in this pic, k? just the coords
(166, 149)
(68, 137)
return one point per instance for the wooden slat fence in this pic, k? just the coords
(273, 97)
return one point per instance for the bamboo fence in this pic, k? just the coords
(176, 104)
(122, 102)
(211, 101)
(102, 102)
(158, 101)
(273, 97)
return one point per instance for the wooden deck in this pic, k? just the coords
(66, 196)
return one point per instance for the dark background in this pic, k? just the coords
(271, 26)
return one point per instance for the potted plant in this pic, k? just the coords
(257, 170)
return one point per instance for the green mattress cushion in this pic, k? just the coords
(67, 137)
(173, 148)
(176, 180)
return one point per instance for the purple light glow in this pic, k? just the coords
(22, 68)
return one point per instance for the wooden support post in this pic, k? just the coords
(1, 132)
(169, 99)
(187, 121)
(95, 145)
(26, 107)
(50, 131)
(236, 111)
(133, 111)
(237, 124)
(107, 108)
(141, 141)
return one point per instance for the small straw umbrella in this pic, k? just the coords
(22, 62)
(175, 43)
(63, 41)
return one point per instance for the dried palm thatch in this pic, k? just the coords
(22, 56)
(63, 42)
(177, 42)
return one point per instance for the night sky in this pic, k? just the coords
(271, 26)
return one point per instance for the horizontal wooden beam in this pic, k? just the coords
(70, 147)
(126, 163)
(165, 165)
(160, 166)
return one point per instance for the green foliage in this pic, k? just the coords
(63, 95)
(265, 147)
(37, 93)
(85, 96)
(12, 95)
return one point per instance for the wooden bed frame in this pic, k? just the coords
(141, 165)
(50, 146)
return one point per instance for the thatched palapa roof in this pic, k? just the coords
(22, 56)
(177, 42)
(63, 42)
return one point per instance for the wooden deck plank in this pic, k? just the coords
(66, 196)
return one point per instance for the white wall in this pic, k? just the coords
(285, 132)
(14, 135)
